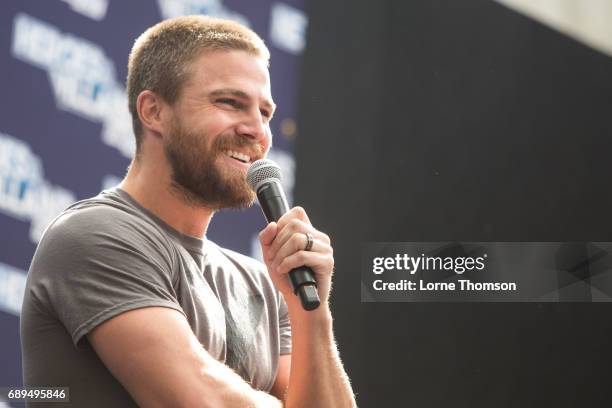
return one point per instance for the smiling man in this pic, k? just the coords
(127, 302)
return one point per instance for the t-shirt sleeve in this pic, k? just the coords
(284, 327)
(96, 263)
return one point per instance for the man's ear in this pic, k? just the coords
(153, 112)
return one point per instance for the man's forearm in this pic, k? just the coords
(317, 376)
(230, 390)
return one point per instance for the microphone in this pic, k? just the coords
(264, 177)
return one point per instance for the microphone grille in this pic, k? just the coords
(261, 170)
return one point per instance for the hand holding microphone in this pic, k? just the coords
(291, 246)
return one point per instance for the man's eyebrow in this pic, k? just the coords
(242, 95)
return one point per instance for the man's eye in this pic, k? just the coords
(265, 114)
(228, 101)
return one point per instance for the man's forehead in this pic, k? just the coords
(237, 72)
(225, 63)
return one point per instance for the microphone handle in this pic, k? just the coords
(274, 204)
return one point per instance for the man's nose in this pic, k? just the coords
(253, 127)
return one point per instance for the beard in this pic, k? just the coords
(197, 177)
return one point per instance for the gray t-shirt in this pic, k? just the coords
(108, 255)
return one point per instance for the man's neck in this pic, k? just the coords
(149, 183)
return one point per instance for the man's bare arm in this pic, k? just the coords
(279, 389)
(155, 355)
(317, 377)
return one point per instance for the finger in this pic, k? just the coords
(295, 213)
(320, 263)
(267, 235)
(300, 229)
(298, 243)
(292, 245)
(284, 234)
(323, 237)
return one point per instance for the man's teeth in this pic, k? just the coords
(239, 156)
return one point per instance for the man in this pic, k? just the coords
(128, 303)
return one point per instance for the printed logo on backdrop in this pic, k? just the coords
(487, 271)
(24, 192)
(288, 28)
(94, 9)
(82, 77)
(287, 24)
(12, 287)
(214, 8)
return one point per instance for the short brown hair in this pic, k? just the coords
(160, 56)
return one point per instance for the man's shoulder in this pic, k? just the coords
(105, 216)
(101, 231)
(90, 210)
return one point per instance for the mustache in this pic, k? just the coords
(234, 142)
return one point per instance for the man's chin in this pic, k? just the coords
(238, 194)
(232, 200)
(240, 202)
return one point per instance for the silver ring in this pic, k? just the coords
(309, 241)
